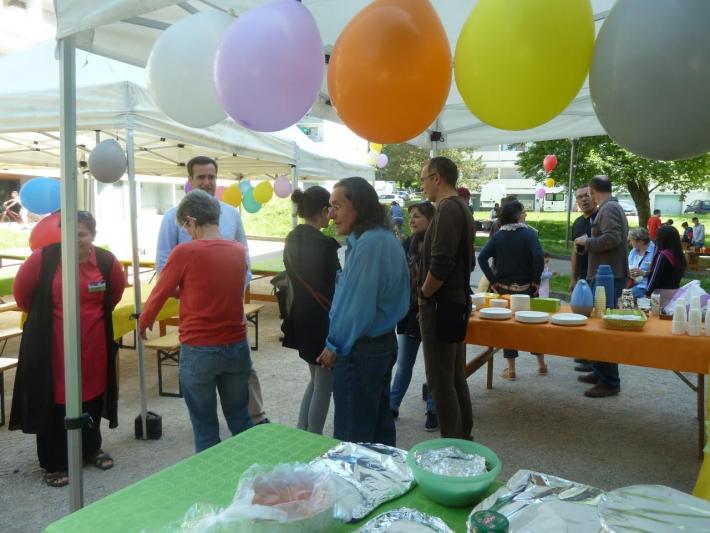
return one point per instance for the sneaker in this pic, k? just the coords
(588, 378)
(600, 390)
(432, 422)
(264, 421)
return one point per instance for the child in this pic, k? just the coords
(544, 290)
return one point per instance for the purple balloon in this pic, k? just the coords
(540, 192)
(282, 187)
(188, 186)
(382, 160)
(269, 66)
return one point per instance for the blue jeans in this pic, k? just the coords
(638, 292)
(407, 348)
(361, 391)
(608, 373)
(206, 370)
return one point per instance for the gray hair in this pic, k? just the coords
(201, 206)
(640, 234)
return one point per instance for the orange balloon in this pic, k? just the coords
(390, 70)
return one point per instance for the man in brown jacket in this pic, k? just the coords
(447, 260)
(606, 246)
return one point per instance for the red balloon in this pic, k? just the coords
(549, 163)
(47, 231)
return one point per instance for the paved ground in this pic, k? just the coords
(645, 435)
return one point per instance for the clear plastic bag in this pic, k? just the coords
(284, 498)
(685, 294)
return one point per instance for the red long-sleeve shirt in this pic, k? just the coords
(210, 275)
(94, 358)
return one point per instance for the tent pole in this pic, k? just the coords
(133, 201)
(70, 267)
(294, 182)
(435, 137)
(569, 189)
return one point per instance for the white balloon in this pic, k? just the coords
(180, 69)
(107, 161)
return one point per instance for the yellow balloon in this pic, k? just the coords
(263, 192)
(376, 147)
(232, 195)
(549, 183)
(519, 63)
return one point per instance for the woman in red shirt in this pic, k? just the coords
(209, 273)
(38, 401)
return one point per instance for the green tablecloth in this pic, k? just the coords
(212, 477)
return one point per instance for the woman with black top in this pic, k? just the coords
(519, 262)
(311, 261)
(668, 263)
(409, 337)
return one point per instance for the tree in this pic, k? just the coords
(636, 174)
(406, 162)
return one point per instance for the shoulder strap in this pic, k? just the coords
(321, 300)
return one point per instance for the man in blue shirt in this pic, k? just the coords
(371, 296)
(202, 174)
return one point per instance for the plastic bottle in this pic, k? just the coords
(605, 278)
(707, 320)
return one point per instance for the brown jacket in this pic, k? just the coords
(445, 255)
(607, 245)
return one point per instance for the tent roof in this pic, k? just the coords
(111, 97)
(127, 29)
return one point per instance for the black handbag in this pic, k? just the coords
(451, 318)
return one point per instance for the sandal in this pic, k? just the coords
(101, 460)
(508, 374)
(56, 479)
(542, 370)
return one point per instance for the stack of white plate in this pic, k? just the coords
(495, 313)
(532, 317)
(499, 302)
(520, 302)
(568, 319)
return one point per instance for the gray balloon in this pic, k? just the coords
(107, 161)
(650, 77)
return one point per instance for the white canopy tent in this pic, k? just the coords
(111, 98)
(127, 29)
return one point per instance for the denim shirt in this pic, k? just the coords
(371, 292)
(170, 235)
(644, 262)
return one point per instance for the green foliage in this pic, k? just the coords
(601, 155)
(406, 162)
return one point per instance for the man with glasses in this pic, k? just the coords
(579, 259)
(202, 174)
(447, 259)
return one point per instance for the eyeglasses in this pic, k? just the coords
(186, 224)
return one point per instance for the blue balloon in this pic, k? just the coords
(248, 202)
(40, 195)
(244, 186)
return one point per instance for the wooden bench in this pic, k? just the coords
(6, 335)
(5, 364)
(167, 346)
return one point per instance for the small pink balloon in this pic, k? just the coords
(188, 186)
(220, 191)
(540, 192)
(382, 161)
(282, 187)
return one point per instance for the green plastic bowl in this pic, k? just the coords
(451, 490)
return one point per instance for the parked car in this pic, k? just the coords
(699, 207)
(404, 194)
(387, 199)
(628, 207)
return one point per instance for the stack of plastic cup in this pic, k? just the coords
(599, 301)
(679, 325)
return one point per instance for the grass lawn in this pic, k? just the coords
(560, 283)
